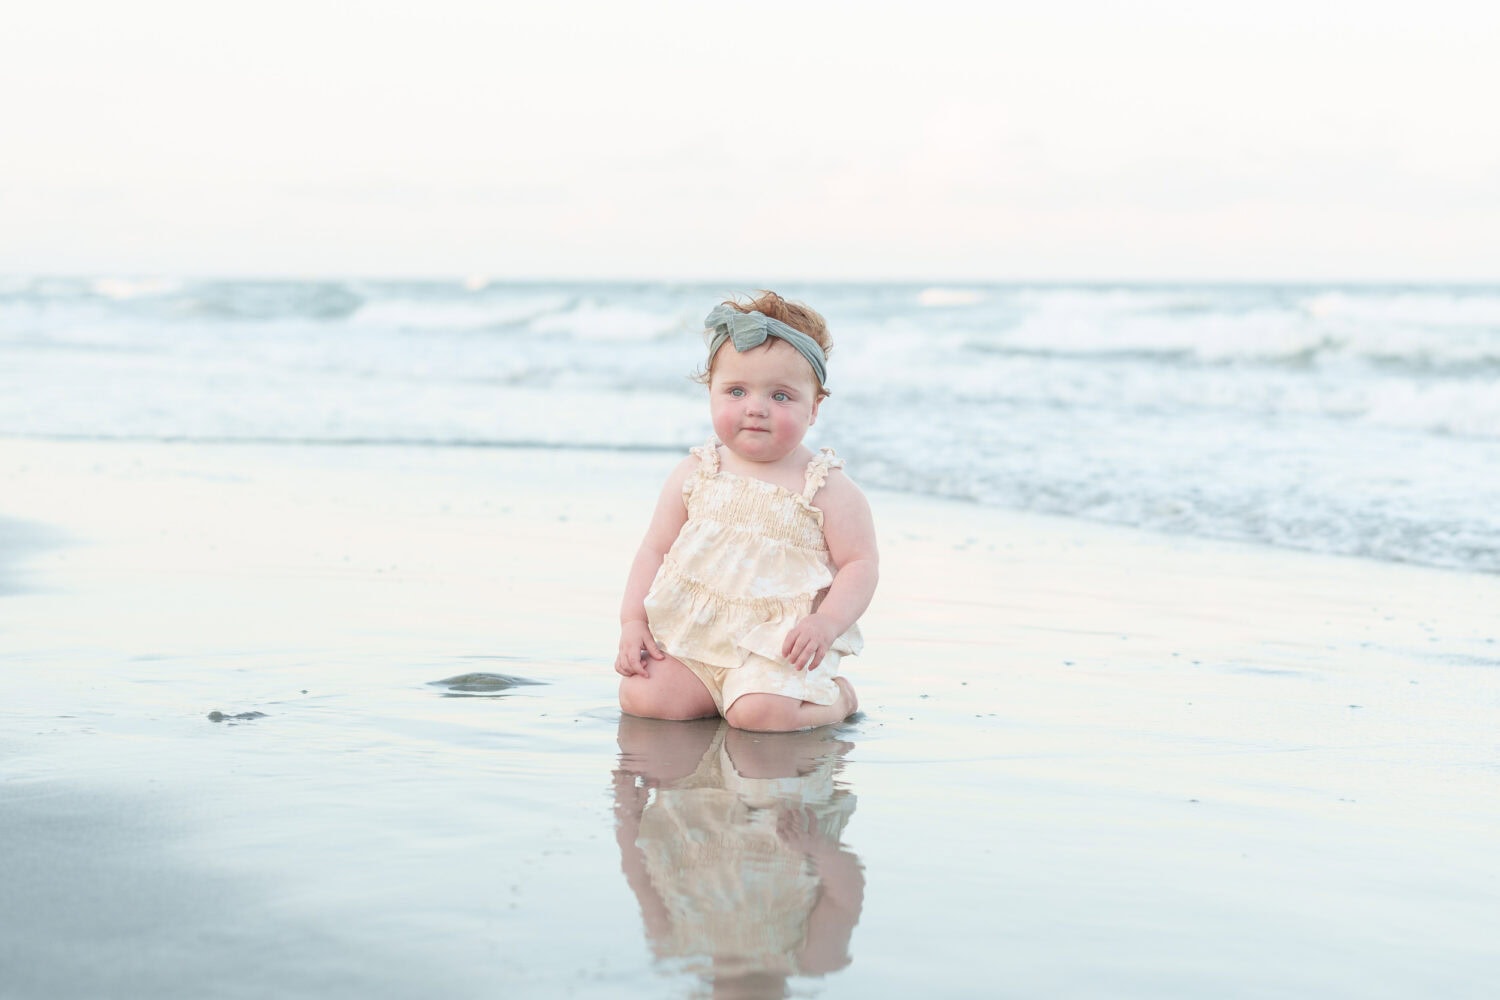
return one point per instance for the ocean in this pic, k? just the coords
(1361, 420)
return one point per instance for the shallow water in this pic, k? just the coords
(1089, 764)
(390, 842)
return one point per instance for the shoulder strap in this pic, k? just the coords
(708, 457)
(817, 471)
(708, 467)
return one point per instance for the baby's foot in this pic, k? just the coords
(850, 699)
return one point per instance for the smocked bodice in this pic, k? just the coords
(750, 562)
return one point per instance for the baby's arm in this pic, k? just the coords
(849, 529)
(630, 804)
(841, 892)
(666, 522)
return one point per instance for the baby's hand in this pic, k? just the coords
(797, 826)
(809, 641)
(637, 648)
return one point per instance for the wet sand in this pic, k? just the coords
(1092, 762)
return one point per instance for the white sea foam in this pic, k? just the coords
(474, 313)
(1422, 308)
(1347, 419)
(603, 321)
(133, 288)
(941, 297)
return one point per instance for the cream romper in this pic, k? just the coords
(749, 564)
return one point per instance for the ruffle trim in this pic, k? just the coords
(708, 457)
(766, 640)
(724, 631)
(704, 598)
(817, 472)
(815, 478)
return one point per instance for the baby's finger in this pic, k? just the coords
(792, 650)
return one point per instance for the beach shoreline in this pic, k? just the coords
(1092, 760)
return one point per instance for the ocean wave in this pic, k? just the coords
(1455, 361)
(268, 300)
(941, 297)
(1381, 500)
(1285, 334)
(124, 289)
(595, 320)
(472, 314)
(1458, 409)
(1425, 308)
(1353, 420)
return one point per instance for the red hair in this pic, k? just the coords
(793, 314)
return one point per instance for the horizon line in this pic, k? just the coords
(481, 279)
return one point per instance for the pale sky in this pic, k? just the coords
(932, 140)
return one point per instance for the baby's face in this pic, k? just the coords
(763, 401)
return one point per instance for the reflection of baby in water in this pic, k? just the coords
(730, 840)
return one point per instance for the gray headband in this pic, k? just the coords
(750, 329)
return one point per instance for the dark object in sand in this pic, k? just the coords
(221, 717)
(471, 684)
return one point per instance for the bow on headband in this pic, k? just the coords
(750, 329)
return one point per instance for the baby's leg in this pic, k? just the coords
(663, 753)
(775, 713)
(796, 753)
(669, 691)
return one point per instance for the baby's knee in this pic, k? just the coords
(655, 699)
(763, 713)
(640, 697)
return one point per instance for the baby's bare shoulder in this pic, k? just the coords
(848, 524)
(840, 494)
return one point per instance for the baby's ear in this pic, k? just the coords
(817, 402)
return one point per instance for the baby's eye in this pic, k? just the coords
(780, 397)
(736, 391)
